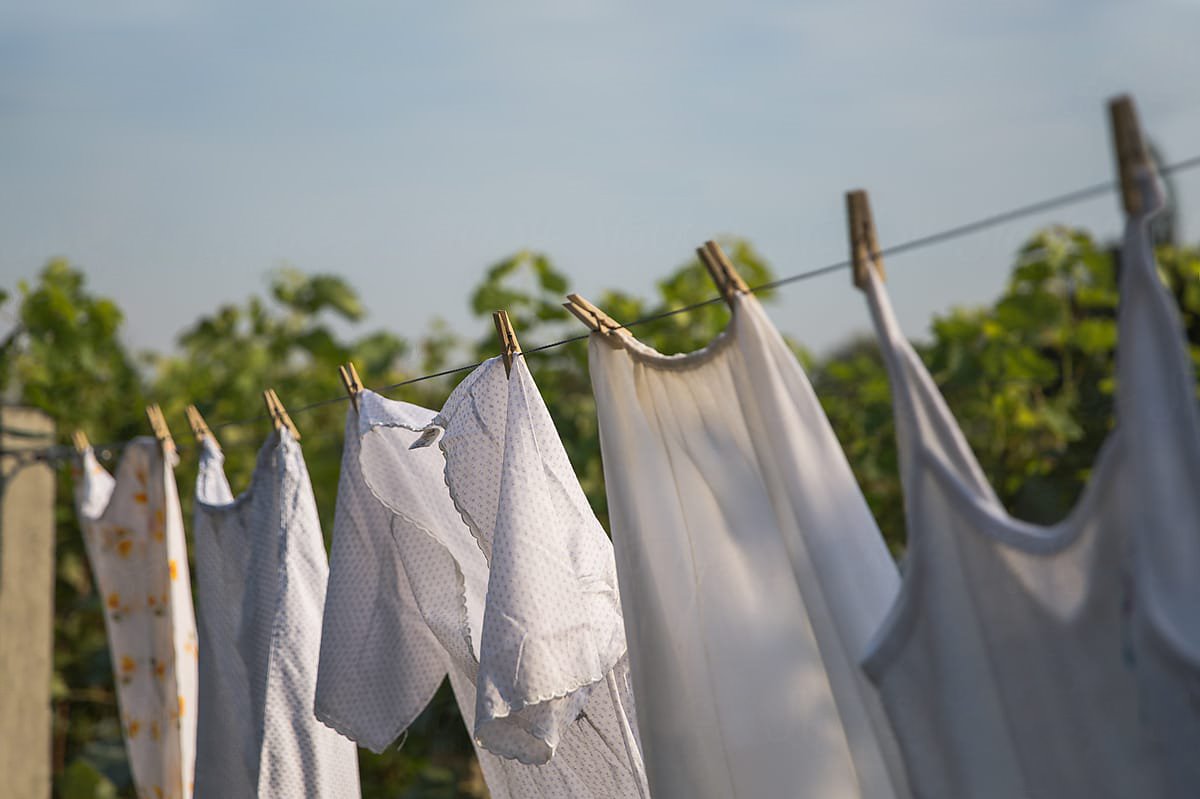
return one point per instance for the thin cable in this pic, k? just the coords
(1030, 209)
(64, 452)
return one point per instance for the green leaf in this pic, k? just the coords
(81, 780)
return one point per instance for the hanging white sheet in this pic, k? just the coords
(752, 573)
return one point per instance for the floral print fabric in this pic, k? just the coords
(133, 533)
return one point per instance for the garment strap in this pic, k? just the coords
(924, 422)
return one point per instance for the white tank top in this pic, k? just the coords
(1052, 662)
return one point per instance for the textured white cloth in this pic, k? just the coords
(133, 532)
(752, 573)
(1057, 662)
(412, 595)
(260, 578)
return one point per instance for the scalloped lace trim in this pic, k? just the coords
(347, 731)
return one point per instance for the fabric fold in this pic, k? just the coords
(133, 533)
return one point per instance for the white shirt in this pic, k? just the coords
(1056, 662)
(531, 639)
(133, 533)
(752, 573)
(261, 572)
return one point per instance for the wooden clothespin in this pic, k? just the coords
(721, 269)
(1130, 148)
(80, 440)
(158, 423)
(200, 430)
(350, 380)
(279, 414)
(509, 346)
(864, 243)
(596, 319)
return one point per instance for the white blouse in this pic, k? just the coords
(481, 559)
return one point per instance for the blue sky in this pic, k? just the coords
(177, 151)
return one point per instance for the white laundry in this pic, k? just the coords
(532, 639)
(1057, 662)
(133, 533)
(261, 572)
(752, 573)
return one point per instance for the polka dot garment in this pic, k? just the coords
(261, 572)
(403, 551)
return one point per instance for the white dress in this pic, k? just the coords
(133, 533)
(512, 592)
(1057, 662)
(752, 573)
(261, 572)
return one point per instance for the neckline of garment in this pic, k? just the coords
(644, 353)
(275, 441)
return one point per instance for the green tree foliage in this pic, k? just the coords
(1029, 377)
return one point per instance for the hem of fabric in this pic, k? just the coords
(517, 707)
(476, 533)
(518, 756)
(1027, 537)
(347, 730)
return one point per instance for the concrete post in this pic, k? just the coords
(26, 604)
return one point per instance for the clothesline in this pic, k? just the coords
(62, 453)
(108, 451)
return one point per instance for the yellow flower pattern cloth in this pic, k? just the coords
(133, 532)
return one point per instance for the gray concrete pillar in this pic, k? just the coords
(26, 603)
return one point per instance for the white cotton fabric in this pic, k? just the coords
(261, 572)
(532, 639)
(133, 533)
(1053, 662)
(752, 573)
